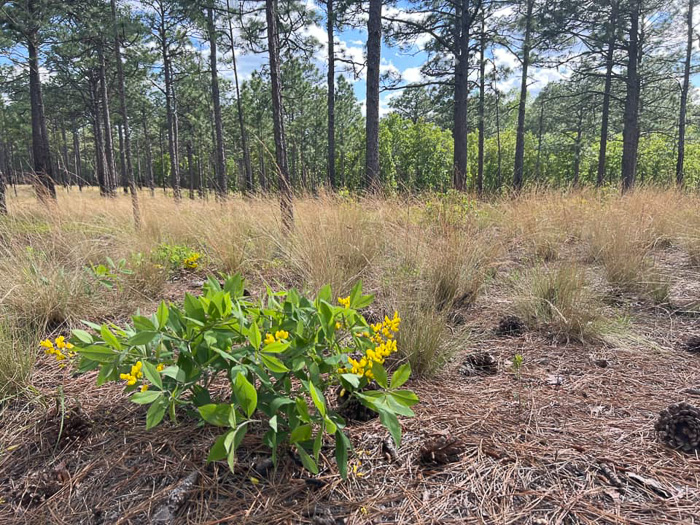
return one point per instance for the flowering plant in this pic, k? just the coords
(279, 356)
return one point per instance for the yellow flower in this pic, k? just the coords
(344, 301)
(269, 339)
(160, 367)
(144, 388)
(281, 334)
(338, 326)
(61, 342)
(46, 343)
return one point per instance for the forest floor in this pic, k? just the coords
(568, 437)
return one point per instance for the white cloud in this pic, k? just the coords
(412, 75)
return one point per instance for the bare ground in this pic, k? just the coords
(569, 441)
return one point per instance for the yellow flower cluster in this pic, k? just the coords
(279, 335)
(58, 350)
(134, 375)
(344, 301)
(191, 262)
(385, 343)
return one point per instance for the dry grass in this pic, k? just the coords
(452, 269)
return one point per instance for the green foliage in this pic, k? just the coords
(177, 257)
(110, 275)
(280, 356)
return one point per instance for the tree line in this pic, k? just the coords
(149, 94)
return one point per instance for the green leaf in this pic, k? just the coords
(330, 425)
(155, 413)
(82, 336)
(143, 323)
(405, 397)
(110, 338)
(152, 374)
(379, 374)
(274, 364)
(193, 308)
(175, 372)
(324, 294)
(317, 398)
(245, 394)
(101, 354)
(342, 444)
(218, 451)
(302, 409)
(401, 375)
(352, 379)
(318, 441)
(254, 336)
(162, 315)
(275, 348)
(144, 398)
(301, 433)
(307, 460)
(215, 414)
(142, 338)
(273, 423)
(391, 422)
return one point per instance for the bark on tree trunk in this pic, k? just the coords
(374, 51)
(630, 132)
(241, 116)
(77, 168)
(331, 93)
(285, 188)
(128, 172)
(100, 160)
(605, 116)
(520, 132)
(110, 166)
(41, 153)
(461, 96)
(684, 97)
(578, 146)
(122, 157)
(538, 163)
(220, 160)
(170, 116)
(190, 169)
(482, 98)
(149, 154)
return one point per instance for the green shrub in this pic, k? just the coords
(177, 257)
(280, 356)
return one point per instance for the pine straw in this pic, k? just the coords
(560, 455)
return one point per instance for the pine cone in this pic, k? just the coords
(510, 326)
(351, 408)
(480, 363)
(679, 427)
(441, 450)
(692, 344)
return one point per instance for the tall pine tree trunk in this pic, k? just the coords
(100, 160)
(128, 172)
(149, 154)
(77, 168)
(578, 146)
(630, 132)
(285, 188)
(520, 131)
(241, 117)
(110, 164)
(684, 97)
(482, 97)
(219, 157)
(170, 113)
(374, 52)
(605, 115)
(331, 93)
(461, 96)
(40, 137)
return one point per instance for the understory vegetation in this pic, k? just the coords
(428, 258)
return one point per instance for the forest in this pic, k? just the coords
(110, 92)
(325, 262)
